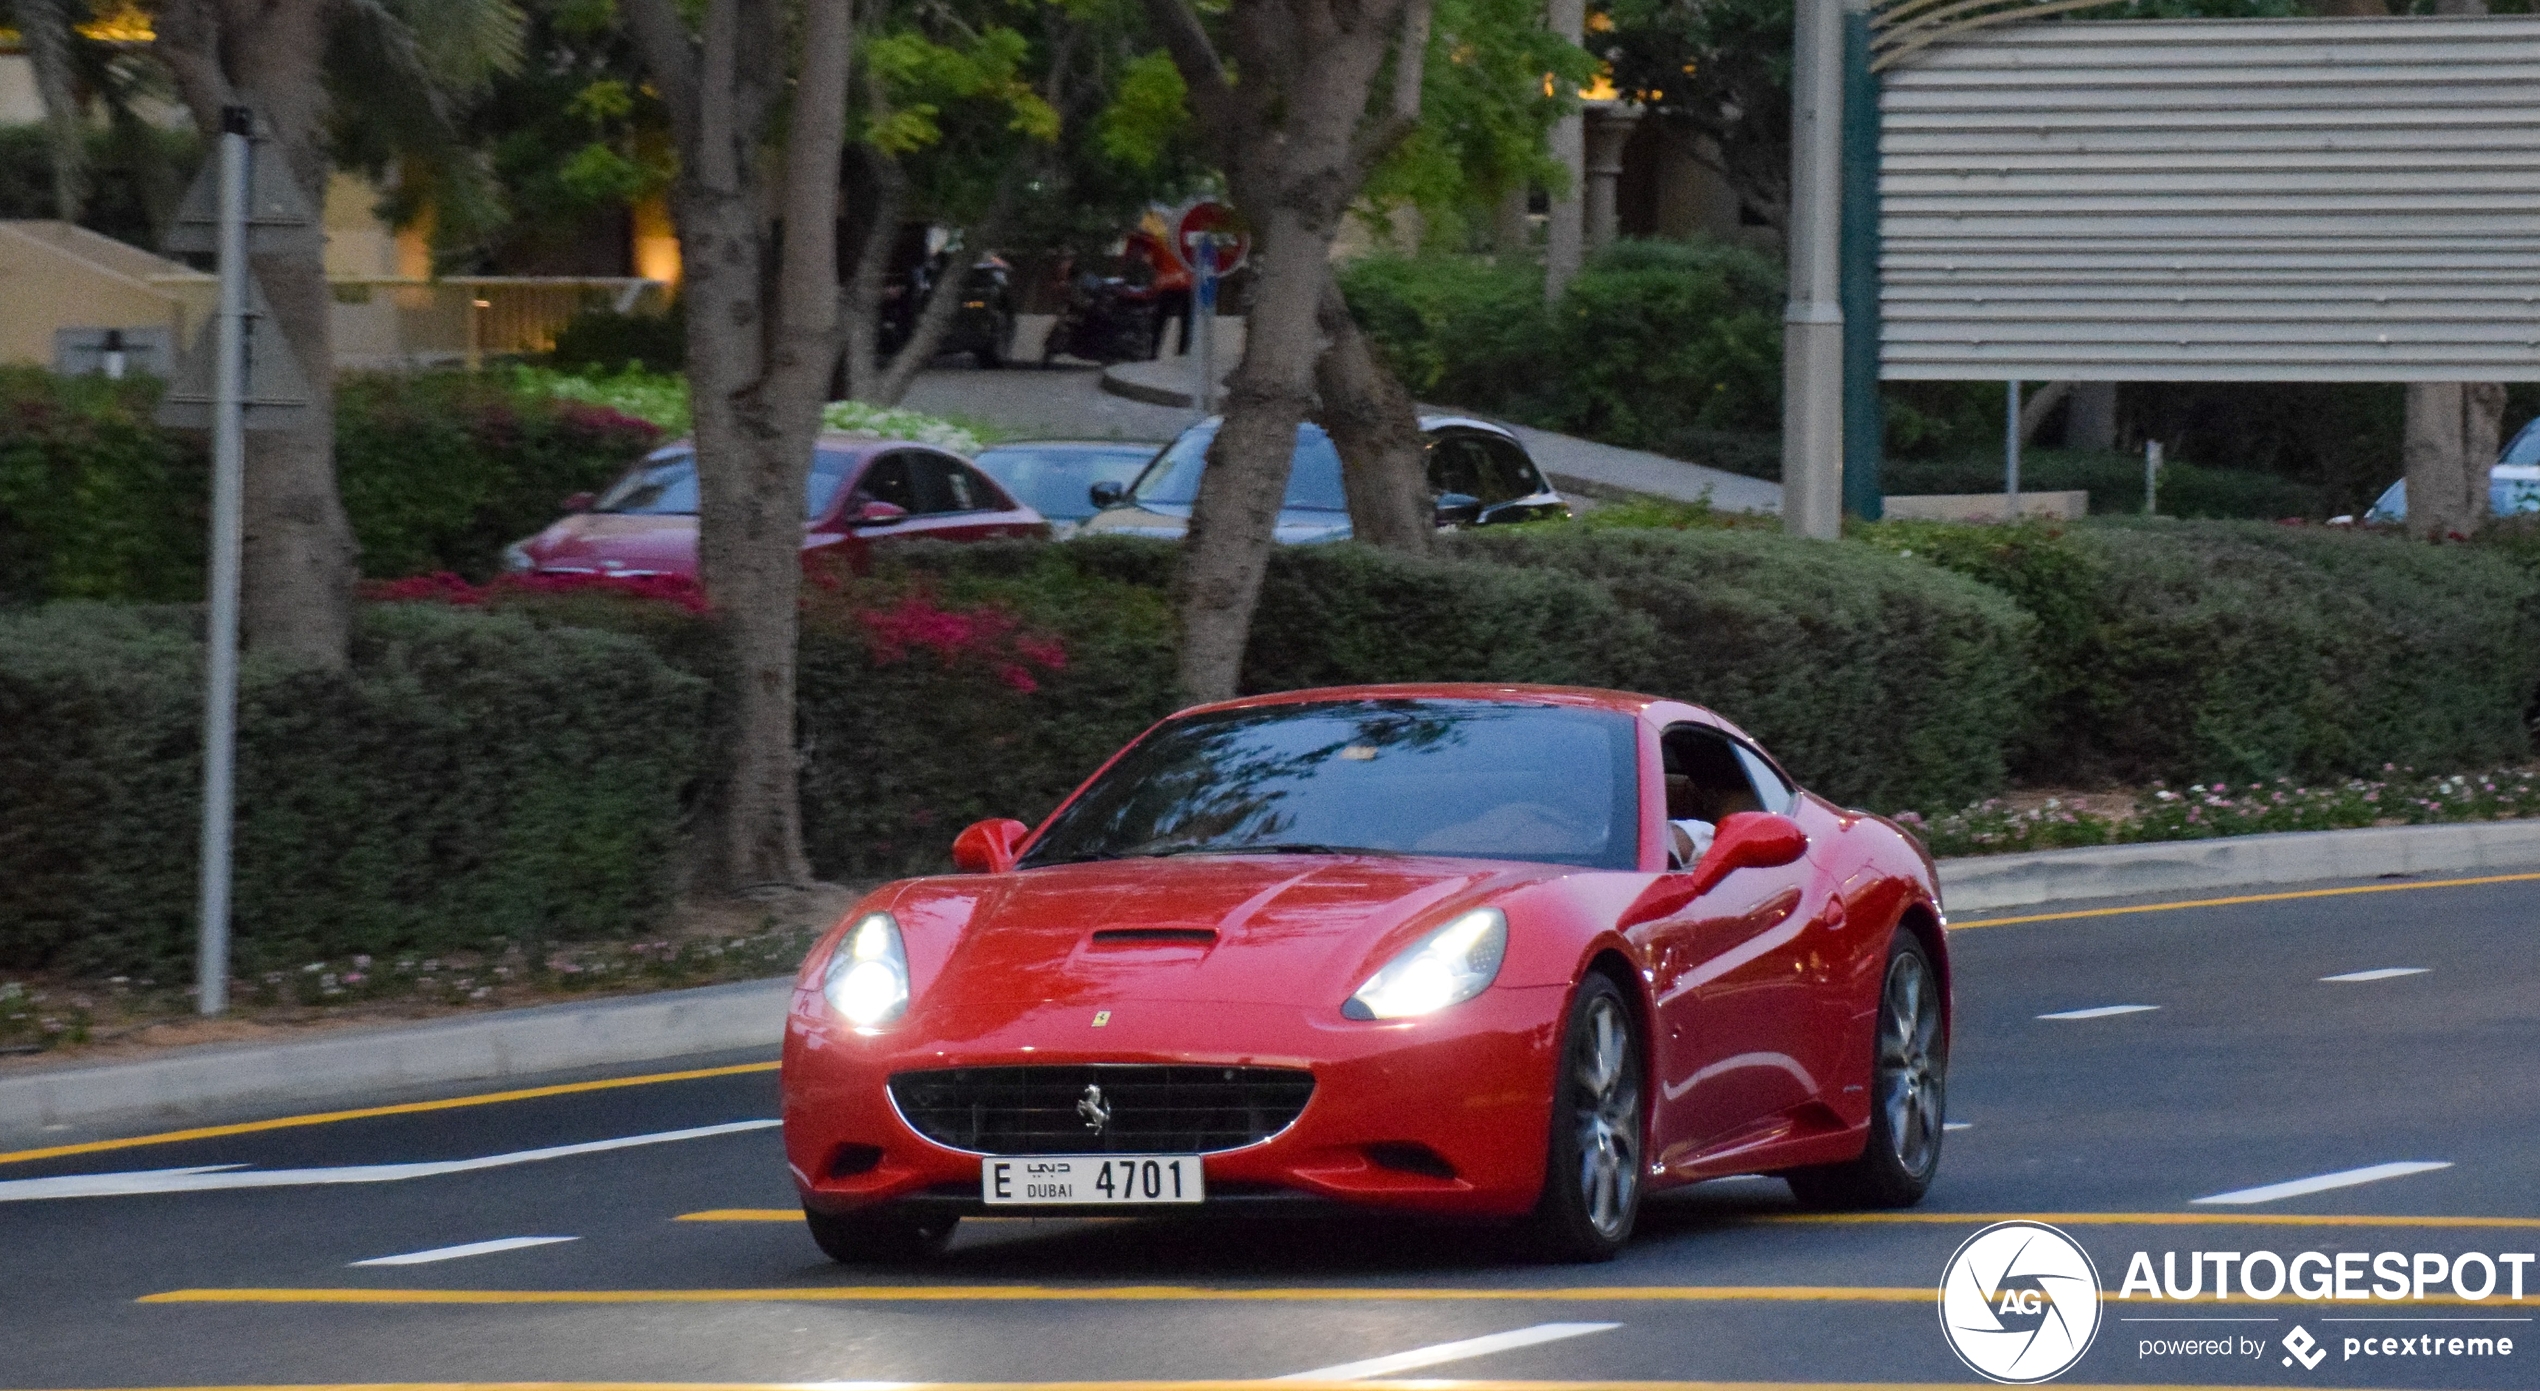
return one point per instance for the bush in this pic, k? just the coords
(438, 472)
(1874, 684)
(2115, 483)
(1655, 337)
(608, 341)
(1460, 329)
(96, 502)
(470, 780)
(2240, 651)
(441, 471)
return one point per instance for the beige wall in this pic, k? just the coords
(53, 275)
(20, 105)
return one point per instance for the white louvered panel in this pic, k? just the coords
(2218, 200)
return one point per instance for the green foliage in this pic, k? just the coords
(95, 500)
(1461, 329)
(597, 342)
(660, 398)
(1656, 337)
(441, 471)
(136, 172)
(2236, 650)
(1146, 114)
(437, 472)
(470, 781)
(1494, 82)
(2115, 483)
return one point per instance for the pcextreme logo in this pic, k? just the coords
(2019, 1302)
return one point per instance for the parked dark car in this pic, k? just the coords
(1478, 472)
(1056, 478)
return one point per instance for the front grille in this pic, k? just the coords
(1154, 1109)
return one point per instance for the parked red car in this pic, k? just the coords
(1438, 949)
(859, 491)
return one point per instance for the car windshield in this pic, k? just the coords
(1481, 779)
(1314, 471)
(666, 486)
(1053, 479)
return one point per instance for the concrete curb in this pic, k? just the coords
(357, 1065)
(1986, 882)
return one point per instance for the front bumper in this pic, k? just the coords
(1447, 1114)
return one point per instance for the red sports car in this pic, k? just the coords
(1499, 951)
(859, 491)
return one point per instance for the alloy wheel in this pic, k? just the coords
(1908, 1070)
(1607, 1117)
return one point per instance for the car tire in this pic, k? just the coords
(1909, 1084)
(1600, 1120)
(879, 1238)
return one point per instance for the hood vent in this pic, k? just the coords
(1155, 936)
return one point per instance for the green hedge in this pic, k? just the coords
(2191, 650)
(438, 471)
(471, 780)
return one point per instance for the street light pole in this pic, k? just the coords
(229, 458)
(1812, 324)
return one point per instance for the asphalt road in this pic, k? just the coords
(2249, 1071)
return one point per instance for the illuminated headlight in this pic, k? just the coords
(516, 558)
(1447, 967)
(867, 980)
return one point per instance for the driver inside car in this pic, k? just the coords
(1704, 784)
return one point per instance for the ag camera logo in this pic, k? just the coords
(2019, 1302)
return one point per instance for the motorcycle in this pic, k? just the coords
(1106, 320)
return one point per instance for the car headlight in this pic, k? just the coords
(1447, 967)
(516, 558)
(867, 980)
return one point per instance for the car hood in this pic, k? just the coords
(1262, 929)
(617, 543)
(1298, 526)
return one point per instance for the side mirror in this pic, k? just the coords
(878, 514)
(1458, 509)
(988, 847)
(1744, 840)
(580, 502)
(1106, 493)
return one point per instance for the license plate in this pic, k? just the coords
(1113, 1180)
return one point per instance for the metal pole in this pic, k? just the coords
(1812, 324)
(1204, 322)
(1864, 415)
(2151, 477)
(2011, 450)
(229, 458)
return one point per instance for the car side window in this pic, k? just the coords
(1771, 788)
(943, 484)
(887, 479)
(1457, 465)
(1513, 472)
(1706, 783)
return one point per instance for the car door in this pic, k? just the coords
(1731, 990)
(956, 502)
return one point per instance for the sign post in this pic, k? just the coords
(226, 192)
(1213, 243)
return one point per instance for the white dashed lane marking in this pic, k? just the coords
(2099, 1012)
(473, 1248)
(2384, 973)
(1449, 1352)
(2343, 1178)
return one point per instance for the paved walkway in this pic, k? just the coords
(1073, 403)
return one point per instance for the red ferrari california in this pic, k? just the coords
(1495, 951)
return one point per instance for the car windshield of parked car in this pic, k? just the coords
(1054, 479)
(1314, 472)
(666, 486)
(1478, 779)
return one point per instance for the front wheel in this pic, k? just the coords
(1909, 1080)
(1591, 1182)
(879, 1238)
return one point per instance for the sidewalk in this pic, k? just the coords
(1572, 463)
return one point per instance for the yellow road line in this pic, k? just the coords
(2131, 1219)
(2245, 898)
(865, 1294)
(1942, 1219)
(1408, 1383)
(213, 1132)
(1194, 1294)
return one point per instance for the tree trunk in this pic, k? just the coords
(1376, 428)
(1292, 116)
(46, 25)
(296, 590)
(863, 300)
(933, 322)
(2450, 447)
(2091, 423)
(761, 350)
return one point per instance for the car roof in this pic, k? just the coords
(834, 440)
(1623, 702)
(1428, 422)
(1148, 446)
